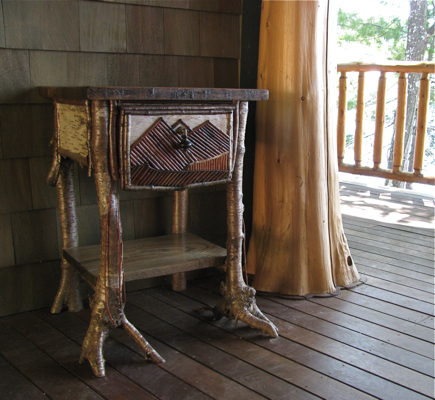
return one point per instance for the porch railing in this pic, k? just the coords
(402, 68)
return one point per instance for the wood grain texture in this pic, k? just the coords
(145, 32)
(36, 284)
(292, 375)
(43, 195)
(224, 6)
(88, 225)
(402, 84)
(194, 343)
(380, 120)
(353, 332)
(152, 217)
(12, 379)
(214, 215)
(423, 105)
(359, 120)
(15, 76)
(341, 118)
(1, 141)
(48, 68)
(87, 69)
(123, 69)
(87, 191)
(370, 342)
(50, 375)
(26, 129)
(219, 35)
(2, 28)
(350, 369)
(155, 93)
(213, 384)
(181, 32)
(102, 27)
(397, 66)
(159, 71)
(150, 257)
(66, 352)
(35, 236)
(45, 25)
(226, 72)
(127, 219)
(274, 353)
(15, 176)
(7, 258)
(184, 4)
(196, 72)
(125, 359)
(297, 245)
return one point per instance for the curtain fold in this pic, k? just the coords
(297, 245)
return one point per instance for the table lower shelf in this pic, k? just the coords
(151, 257)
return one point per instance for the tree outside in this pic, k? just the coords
(376, 31)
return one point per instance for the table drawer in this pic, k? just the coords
(176, 146)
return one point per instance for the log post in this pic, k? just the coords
(341, 119)
(357, 146)
(423, 104)
(400, 122)
(297, 245)
(380, 119)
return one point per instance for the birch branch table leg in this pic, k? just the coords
(179, 225)
(238, 299)
(69, 290)
(109, 300)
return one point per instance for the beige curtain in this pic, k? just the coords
(297, 245)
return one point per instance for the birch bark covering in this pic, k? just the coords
(297, 245)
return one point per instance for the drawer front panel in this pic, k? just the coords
(176, 147)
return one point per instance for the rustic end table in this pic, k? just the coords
(139, 138)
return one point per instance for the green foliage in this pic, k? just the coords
(374, 31)
(351, 104)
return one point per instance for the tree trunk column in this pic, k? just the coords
(297, 246)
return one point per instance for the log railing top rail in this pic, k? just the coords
(403, 68)
(397, 66)
(153, 93)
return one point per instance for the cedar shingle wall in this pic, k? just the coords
(112, 42)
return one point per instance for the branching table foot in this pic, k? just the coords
(240, 305)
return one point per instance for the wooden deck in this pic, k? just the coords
(374, 341)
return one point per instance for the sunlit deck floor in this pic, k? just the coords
(374, 341)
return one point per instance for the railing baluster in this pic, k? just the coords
(423, 104)
(403, 68)
(380, 119)
(400, 122)
(357, 145)
(341, 120)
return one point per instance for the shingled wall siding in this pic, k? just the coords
(70, 43)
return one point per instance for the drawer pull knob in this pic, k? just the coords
(185, 143)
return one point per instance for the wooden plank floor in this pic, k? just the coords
(373, 341)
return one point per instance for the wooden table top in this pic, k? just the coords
(152, 93)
